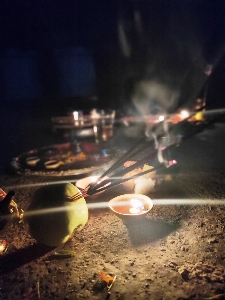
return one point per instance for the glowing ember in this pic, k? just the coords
(184, 114)
(172, 162)
(2, 194)
(161, 118)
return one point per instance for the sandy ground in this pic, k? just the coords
(176, 252)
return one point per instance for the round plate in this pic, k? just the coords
(64, 159)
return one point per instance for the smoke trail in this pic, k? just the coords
(169, 48)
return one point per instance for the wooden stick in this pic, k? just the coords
(38, 290)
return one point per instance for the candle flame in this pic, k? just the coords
(76, 115)
(95, 129)
(136, 206)
(136, 203)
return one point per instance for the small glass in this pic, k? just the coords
(103, 122)
(107, 123)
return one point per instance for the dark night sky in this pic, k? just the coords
(26, 24)
(46, 25)
(64, 23)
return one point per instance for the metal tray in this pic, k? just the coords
(65, 159)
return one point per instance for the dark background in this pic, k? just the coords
(47, 31)
(35, 37)
(41, 40)
(44, 34)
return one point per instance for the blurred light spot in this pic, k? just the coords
(184, 114)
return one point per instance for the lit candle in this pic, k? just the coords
(95, 130)
(76, 115)
(78, 118)
(136, 206)
(130, 206)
